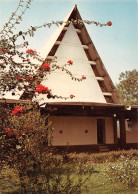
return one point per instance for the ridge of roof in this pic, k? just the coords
(44, 52)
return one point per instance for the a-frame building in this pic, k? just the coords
(89, 120)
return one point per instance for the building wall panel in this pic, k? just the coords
(79, 130)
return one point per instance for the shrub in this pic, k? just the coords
(123, 171)
(111, 156)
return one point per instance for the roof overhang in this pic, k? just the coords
(84, 104)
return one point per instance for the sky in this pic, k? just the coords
(117, 45)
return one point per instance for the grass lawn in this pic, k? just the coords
(96, 183)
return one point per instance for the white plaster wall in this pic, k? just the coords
(132, 136)
(134, 125)
(61, 83)
(73, 130)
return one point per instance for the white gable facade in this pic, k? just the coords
(61, 84)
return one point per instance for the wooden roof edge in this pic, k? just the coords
(115, 94)
(97, 57)
(85, 104)
(12, 101)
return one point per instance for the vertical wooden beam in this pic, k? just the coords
(122, 129)
(115, 130)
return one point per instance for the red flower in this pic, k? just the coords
(19, 78)
(28, 59)
(50, 150)
(7, 130)
(11, 59)
(83, 77)
(18, 110)
(46, 66)
(109, 23)
(29, 78)
(17, 137)
(70, 62)
(9, 157)
(3, 50)
(10, 133)
(42, 89)
(72, 96)
(30, 51)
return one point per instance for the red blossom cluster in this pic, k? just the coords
(28, 130)
(31, 51)
(83, 77)
(109, 23)
(4, 50)
(18, 110)
(46, 66)
(17, 134)
(19, 78)
(10, 133)
(42, 89)
(29, 78)
(70, 62)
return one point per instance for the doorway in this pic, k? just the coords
(100, 131)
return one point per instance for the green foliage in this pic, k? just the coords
(128, 87)
(57, 175)
(26, 134)
(124, 171)
(26, 149)
(53, 176)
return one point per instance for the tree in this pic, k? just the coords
(128, 87)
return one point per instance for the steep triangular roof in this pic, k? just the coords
(73, 42)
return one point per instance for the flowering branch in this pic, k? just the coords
(16, 21)
(31, 31)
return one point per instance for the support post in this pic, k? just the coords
(122, 129)
(115, 130)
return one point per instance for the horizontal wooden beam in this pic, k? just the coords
(77, 30)
(60, 42)
(107, 94)
(64, 58)
(100, 78)
(51, 57)
(92, 63)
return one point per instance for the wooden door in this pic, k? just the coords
(100, 131)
